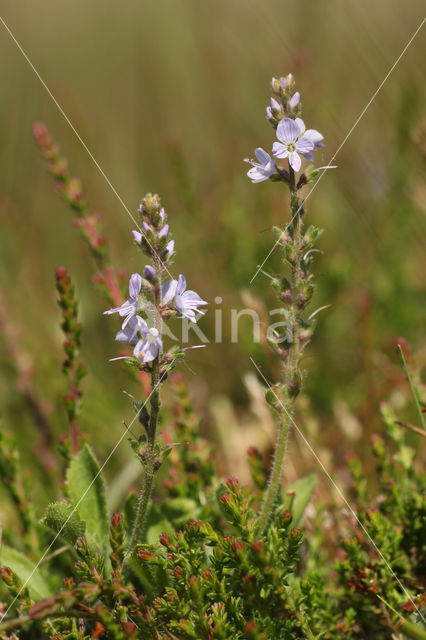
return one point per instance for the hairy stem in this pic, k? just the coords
(155, 404)
(290, 366)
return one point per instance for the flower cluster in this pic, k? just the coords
(294, 140)
(150, 299)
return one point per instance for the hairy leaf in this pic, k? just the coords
(86, 489)
(62, 518)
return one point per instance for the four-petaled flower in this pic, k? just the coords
(129, 308)
(263, 169)
(293, 140)
(186, 302)
(149, 346)
(129, 333)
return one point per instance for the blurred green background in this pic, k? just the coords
(170, 97)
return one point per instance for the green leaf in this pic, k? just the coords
(86, 490)
(180, 510)
(414, 389)
(24, 568)
(303, 490)
(62, 518)
(156, 524)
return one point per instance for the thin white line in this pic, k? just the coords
(76, 506)
(80, 139)
(346, 137)
(300, 432)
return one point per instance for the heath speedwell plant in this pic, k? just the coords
(298, 248)
(191, 556)
(151, 301)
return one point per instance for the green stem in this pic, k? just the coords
(410, 630)
(276, 472)
(290, 368)
(155, 404)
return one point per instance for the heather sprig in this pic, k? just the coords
(73, 367)
(297, 248)
(88, 223)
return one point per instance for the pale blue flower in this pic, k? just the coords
(129, 308)
(187, 302)
(315, 137)
(130, 332)
(149, 346)
(168, 290)
(293, 140)
(263, 169)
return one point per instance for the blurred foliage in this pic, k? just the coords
(169, 97)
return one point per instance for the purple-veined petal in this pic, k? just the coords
(190, 314)
(279, 150)
(257, 175)
(288, 130)
(262, 156)
(300, 124)
(269, 113)
(135, 325)
(150, 353)
(108, 312)
(315, 136)
(146, 227)
(181, 286)
(294, 160)
(168, 290)
(193, 297)
(126, 308)
(304, 144)
(295, 100)
(137, 236)
(135, 284)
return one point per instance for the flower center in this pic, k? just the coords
(291, 146)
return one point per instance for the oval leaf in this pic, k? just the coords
(86, 490)
(24, 569)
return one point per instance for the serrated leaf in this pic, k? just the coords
(64, 519)
(86, 489)
(24, 568)
(303, 490)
